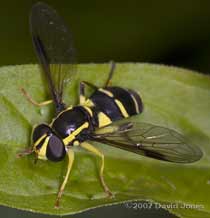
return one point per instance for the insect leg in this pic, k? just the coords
(70, 163)
(24, 153)
(28, 97)
(108, 81)
(94, 150)
(82, 97)
(82, 93)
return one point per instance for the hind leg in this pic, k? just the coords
(95, 151)
(82, 98)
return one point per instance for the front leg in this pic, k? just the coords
(32, 101)
(61, 190)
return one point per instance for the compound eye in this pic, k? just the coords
(55, 149)
(40, 130)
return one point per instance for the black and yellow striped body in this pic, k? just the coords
(83, 124)
(104, 106)
(74, 125)
(114, 103)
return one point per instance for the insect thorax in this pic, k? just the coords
(73, 125)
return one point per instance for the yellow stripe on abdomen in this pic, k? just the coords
(106, 92)
(103, 119)
(121, 108)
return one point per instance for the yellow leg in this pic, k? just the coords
(70, 163)
(82, 98)
(28, 97)
(94, 150)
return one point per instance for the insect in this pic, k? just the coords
(99, 118)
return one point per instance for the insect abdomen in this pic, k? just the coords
(115, 103)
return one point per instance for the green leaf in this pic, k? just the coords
(173, 97)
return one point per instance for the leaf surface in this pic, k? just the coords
(173, 97)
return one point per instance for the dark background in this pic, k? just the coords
(167, 32)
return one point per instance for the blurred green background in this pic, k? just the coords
(167, 32)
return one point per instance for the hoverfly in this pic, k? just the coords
(93, 119)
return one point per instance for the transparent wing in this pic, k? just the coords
(54, 47)
(149, 140)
